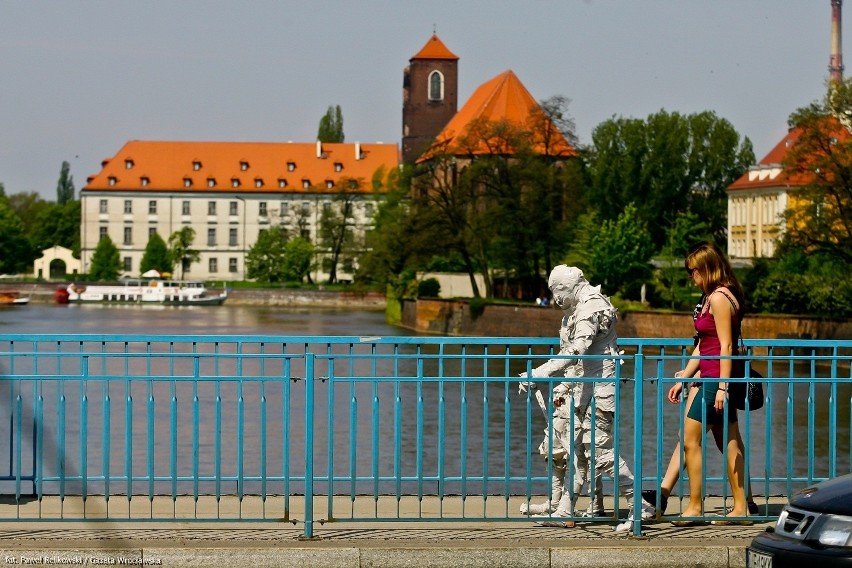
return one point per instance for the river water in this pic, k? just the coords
(799, 437)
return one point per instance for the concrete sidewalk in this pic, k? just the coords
(362, 544)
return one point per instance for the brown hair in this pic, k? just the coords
(714, 268)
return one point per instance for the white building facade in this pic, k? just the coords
(227, 192)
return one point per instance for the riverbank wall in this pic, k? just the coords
(454, 317)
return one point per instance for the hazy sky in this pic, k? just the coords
(81, 77)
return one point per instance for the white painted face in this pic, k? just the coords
(565, 283)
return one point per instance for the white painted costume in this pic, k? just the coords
(587, 328)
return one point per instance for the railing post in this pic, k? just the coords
(309, 446)
(638, 405)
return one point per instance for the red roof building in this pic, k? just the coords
(503, 98)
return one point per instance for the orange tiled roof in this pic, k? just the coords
(435, 49)
(502, 98)
(253, 166)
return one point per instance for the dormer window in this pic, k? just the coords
(338, 167)
(211, 182)
(111, 180)
(144, 181)
(282, 183)
(128, 164)
(329, 184)
(258, 182)
(243, 166)
(235, 182)
(196, 165)
(306, 183)
(291, 166)
(187, 182)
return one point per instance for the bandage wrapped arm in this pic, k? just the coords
(568, 357)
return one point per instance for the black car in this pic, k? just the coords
(813, 530)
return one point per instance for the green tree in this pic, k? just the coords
(65, 186)
(819, 218)
(156, 256)
(266, 260)
(56, 224)
(337, 224)
(331, 125)
(106, 261)
(667, 164)
(181, 252)
(620, 254)
(400, 239)
(298, 259)
(14, 244)
(671, 280)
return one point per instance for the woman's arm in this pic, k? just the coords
(723, 315)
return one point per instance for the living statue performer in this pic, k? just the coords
(588, 328)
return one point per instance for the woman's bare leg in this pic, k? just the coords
(692, 433)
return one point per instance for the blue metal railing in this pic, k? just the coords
(307, 429)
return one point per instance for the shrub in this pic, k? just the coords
(429, 288)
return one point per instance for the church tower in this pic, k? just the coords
(429, 96)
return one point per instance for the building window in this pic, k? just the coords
(102, 206)
(235, 182)
(232, 237)
(184, 208)
(306, 183)
(152, 207)
(128, 235)
(232, 208)
(326, 207)
(144, 181)
(211, 237)
(436, 86)
(187, 182)
(282, 183)
(196, 165)
(285, 208)
(291, 166)
(102, 232)
(243, 166)
(128, 164)
(232, 264)
(261, 208)
(128, 206)
(305, 234)
(338, 167)
(368, 209)
(306, 207)
(111, 180)
(185, 265)
(151, 232)
(211, 182)
(211, 207)
(329, 184)
(128, 264)
(213, 265)
(258, 182)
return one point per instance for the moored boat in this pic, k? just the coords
(13, 298)
(175, 292)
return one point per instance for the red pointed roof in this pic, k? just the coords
(503, 98)
(434, 49)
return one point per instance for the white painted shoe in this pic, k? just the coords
(535, 508)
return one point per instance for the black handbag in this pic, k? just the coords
(741, 391)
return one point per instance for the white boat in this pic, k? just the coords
(146, 291)
(13, 298)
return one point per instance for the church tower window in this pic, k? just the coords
(436, 86)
